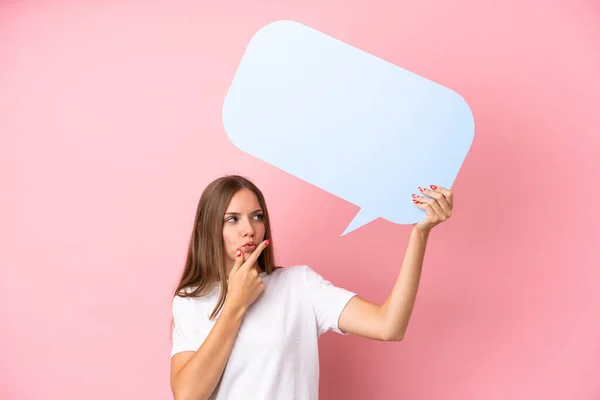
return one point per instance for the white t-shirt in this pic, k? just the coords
(275, 354)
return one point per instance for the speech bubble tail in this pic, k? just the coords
(360, 219)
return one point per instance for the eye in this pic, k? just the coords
(231, 219)
(259, 217)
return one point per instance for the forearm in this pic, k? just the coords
(398, 307)
(198, 378)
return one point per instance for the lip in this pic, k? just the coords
(249, 246)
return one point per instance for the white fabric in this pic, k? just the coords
(275, 355)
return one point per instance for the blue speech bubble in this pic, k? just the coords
(346, 121)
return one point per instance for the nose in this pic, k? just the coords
(247, 228)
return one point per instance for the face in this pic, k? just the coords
(243, 225)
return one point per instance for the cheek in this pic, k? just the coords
(261, 230)
(227, 240)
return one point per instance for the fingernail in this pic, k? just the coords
(420, 188)
(267, 242)
(433, 187)
(416, 202)
(414, 195)
(238, 253)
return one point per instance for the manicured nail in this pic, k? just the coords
(267, 242)
(416, 202)
(414, 195)
(238, 253)
(420, 189)
(433, 187)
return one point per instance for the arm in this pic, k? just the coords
(398, 307)
(389, 321)
(194, 375)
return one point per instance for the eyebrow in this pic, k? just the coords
(237, 213)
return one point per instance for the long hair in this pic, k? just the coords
(205, 264)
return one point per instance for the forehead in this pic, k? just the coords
(243, 200)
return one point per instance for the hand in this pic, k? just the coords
(438, 206)
(244, 283)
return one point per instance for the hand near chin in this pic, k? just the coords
(245, 283)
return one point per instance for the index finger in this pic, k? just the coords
(256, 253)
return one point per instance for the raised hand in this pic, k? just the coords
(438, 206)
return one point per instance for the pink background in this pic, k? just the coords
(110, 127)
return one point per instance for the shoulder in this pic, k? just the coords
(299, 274)
(184, 303)
(181, 302)
(301, 269)
(292, 270)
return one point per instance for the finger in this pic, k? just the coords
(446, 192)
(440, 198)
(424, 206)
(239, 260)
(433, 204)
(256, 253)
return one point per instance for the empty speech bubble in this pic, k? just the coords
(350, 123)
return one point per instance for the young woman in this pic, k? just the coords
(246, 329)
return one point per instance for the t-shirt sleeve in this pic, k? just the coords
(328, 301)
(188, 332)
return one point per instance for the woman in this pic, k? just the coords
(246, 329)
